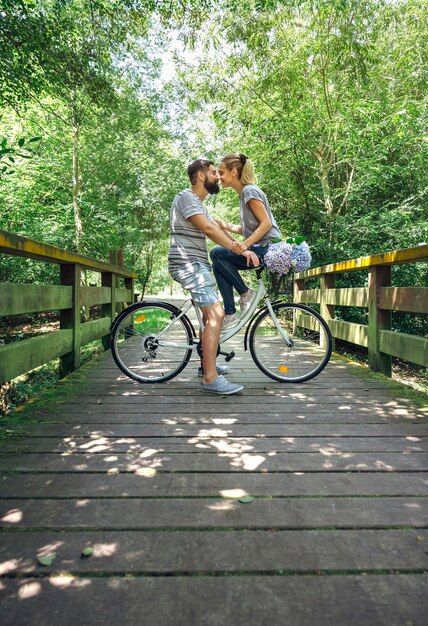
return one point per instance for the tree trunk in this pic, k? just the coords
(77, 177)
(325, 163)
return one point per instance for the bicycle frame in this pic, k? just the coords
(235, 328)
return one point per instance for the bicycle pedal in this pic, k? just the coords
(228, 355)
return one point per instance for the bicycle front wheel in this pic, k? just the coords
(294, 347)
(149, 344)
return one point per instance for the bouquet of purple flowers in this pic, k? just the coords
(290, 255)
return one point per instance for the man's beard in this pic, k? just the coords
(212, 188)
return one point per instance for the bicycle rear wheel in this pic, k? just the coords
(310, 337)
(148, 345)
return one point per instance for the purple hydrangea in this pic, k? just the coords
(301, 257)
(284, 257)
(278, 258)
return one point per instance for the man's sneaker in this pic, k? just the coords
(221, 387)
(244, 302)
(230, 320)
(221, 369)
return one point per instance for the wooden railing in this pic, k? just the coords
(380, 298)
(68, 297)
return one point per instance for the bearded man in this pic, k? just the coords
(188, 264)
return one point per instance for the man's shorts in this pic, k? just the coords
(199, 280)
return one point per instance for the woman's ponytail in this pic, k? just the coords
(243, 165)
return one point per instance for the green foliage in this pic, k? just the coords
(9, 154)
(328, 98)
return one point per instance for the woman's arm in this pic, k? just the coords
(265, 224)
(232, 228)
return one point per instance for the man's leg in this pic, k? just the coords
(213, 318)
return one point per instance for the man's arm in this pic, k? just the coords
(215, 233)
(211, 230)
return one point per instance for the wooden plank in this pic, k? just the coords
(326, 445)
(224, 462)
(17, 299)
(342, 384)
(352, 296)
(234, 429)
(94, 329)
(23, 356)
(238, 600)
(308, 295)
(306, 321)
(349, 331)
(281, 513)
(271, 397)
(411, 299)
(393, 257)
(212, 484)
(90, 296)
(17, 245)
(123, 295)
(234, 551)
(408, 347)
(167, 415)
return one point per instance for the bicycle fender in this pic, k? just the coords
(253, 319)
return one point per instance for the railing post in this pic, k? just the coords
(328, 281)
(298, 285)
(379, 319)
(108, 279)
(130, 284)
(116, 258)
(70, 274)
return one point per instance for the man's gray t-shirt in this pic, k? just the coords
(249, 222)
(187, 243)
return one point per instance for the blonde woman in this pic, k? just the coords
(258, 226)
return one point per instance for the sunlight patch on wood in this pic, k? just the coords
(13, 516)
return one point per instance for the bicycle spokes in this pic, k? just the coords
(150, 344)
(293, 345)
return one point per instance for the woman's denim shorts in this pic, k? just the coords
(199, 280)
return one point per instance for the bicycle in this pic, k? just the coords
(152, 341)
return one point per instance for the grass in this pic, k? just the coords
(397, 388)
(413, 376)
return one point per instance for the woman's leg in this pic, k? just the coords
(225, 267)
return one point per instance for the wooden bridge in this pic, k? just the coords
(297, 504)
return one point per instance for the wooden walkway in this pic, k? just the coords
(151, 477)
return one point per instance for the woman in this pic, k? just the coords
(258, 226)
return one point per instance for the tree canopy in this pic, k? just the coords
(327, 97)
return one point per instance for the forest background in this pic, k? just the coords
(103, 103)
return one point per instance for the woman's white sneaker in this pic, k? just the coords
(244, 302)
(230, 320)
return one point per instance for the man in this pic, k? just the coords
(188, 264)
